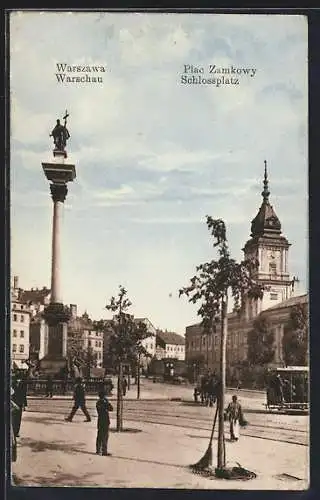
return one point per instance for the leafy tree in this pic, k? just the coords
(125, 345)
(261, 347)
(80, 359)
(295, 337)
(212, 286)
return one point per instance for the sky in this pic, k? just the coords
(154, 155)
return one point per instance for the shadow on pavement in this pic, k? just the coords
(54, 478)
(145, 461)
(128, 429)
(40, 446)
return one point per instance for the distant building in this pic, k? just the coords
(149, 343)
(83, 330)
(20, 334)
(36, 299)
(170, 345)
(20, 329)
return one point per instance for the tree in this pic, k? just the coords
(80, 359)
(125, 345)
(295, 337)
(212, 286)
(261, 347)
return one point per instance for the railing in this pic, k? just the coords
(66, 387)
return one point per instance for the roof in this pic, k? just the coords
(300, 299)
(266, 221)
(171, 338)
(34, 295)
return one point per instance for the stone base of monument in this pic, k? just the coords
(55, 359)
(50, 365)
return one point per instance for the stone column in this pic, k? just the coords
(56, 315)
(58, 193)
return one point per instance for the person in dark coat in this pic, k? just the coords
(49, 387)
(103, 424)
(79, 401)
(124, 385)
(19, 397)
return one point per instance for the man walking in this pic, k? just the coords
(103, 407)
(79, 401)
(234, 412)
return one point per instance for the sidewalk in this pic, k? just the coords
(54, 453)
(157, 392)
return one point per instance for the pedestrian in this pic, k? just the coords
(79, 401)
(19, 397)
(195, 394)
(103, 407)
(49, 387)
(279, 389)
(234, 414)
(124, 385)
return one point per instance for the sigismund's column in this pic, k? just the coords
(56, 315)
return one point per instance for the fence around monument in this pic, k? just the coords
(39, 387)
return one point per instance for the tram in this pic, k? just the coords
(288, 388)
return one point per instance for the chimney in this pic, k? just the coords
(15, 282)
(73, 310)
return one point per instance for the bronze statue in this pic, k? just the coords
(60, 134)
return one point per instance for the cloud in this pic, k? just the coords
(153, 156)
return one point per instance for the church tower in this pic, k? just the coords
(270, 248)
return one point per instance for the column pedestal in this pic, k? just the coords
(56, 317)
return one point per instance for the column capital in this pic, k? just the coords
(58, 192)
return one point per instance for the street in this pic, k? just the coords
(161, 438)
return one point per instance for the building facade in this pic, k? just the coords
(20, 334)
(170, 345)
(19, 328)
(270, 248)
(82, 331)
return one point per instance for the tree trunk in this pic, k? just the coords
(221, 399)
(120, 400)
(138, 378)
(129, 379)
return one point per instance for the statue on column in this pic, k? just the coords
(60, 134)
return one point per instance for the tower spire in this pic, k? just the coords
(265, 193)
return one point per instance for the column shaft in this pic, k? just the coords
(56, 253)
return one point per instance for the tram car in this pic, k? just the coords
(288, 388)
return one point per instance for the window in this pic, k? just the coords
(89, 343)
(273, 268)
(21, 334)
(14, 333)
(97, 343)
(21, 306)
(21, 348)
(273, 296)
(22, 318)
(15, 318)
(14, 347)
